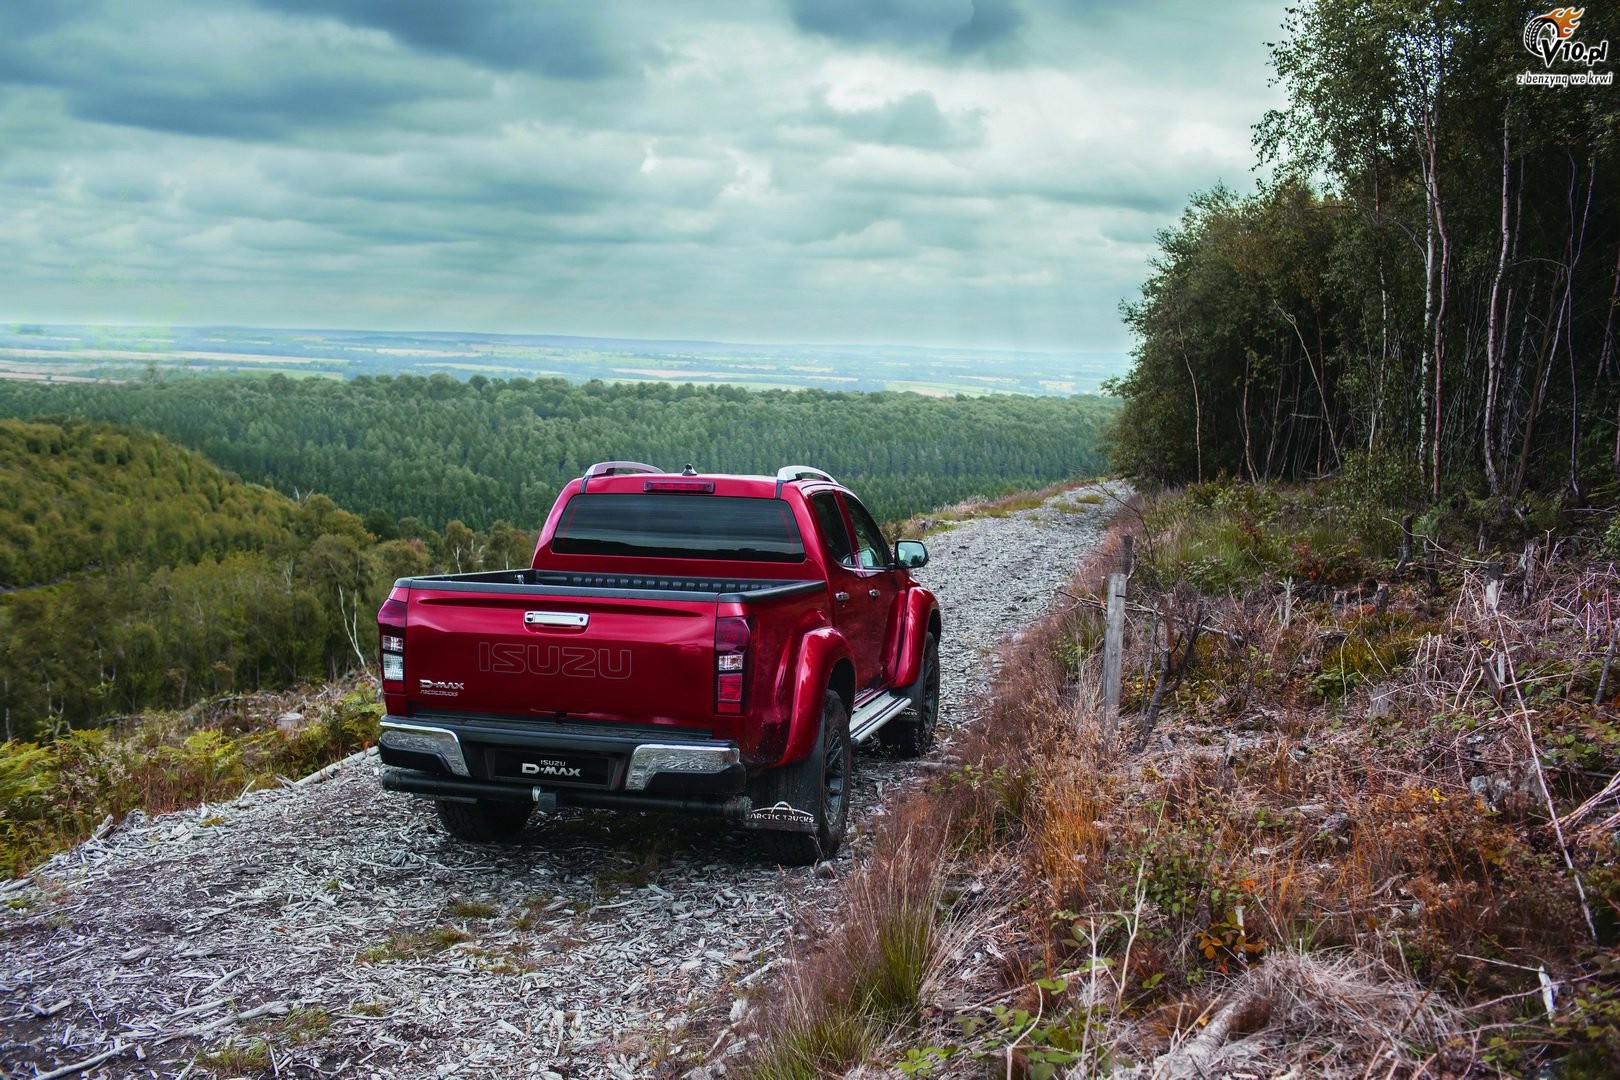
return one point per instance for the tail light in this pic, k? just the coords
(391, 644)
(731, 638)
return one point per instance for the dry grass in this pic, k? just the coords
(1334, 853)
(866, 980)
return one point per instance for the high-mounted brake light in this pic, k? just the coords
(732, 636)
(689, 487)
(391, 632)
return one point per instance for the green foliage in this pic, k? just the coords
(470, 909)
(1174, 867)
(1047, 1049)
(1224, 537)
(53, 794)
(819, 1044)
(995, 801)
(83, 495)
(414, 945)
(1376, 292)
(1611, 539)
(1370, 491)
(1054, 1041)
(250, 1057)
(1371, 655)
(440, 450)
(191, 584)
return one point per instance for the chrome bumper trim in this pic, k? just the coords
(650, 759)
(425, 740)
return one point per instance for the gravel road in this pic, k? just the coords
(332, 930)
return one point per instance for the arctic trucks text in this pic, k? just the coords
(695, 643)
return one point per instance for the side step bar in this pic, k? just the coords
(873, 714)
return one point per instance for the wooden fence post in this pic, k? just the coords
(1114, 641)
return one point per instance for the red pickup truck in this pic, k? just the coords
(681, 642)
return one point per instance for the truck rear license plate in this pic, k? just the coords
(542, 768)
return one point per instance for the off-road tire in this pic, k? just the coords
(913, 736)
(485, 821)
(826, 770)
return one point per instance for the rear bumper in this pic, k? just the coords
(735, 807)
(647, 763)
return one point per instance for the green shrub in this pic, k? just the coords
(1611, 538)
(55, 793)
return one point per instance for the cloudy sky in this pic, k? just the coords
(931, 172)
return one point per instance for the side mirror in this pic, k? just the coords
(910, 554)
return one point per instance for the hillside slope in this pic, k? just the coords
(135, 574)
(79, 495)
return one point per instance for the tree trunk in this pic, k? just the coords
(1544, 363)
(1198, 408)
(1424, 386)
(1439, 219)
(1493, 362)
(1606, 357)
(1577, 245)
(1248, 440)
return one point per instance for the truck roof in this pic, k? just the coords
(621, 477)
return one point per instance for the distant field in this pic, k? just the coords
(64, 353)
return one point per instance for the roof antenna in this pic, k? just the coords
(689, 470)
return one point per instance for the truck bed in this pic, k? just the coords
(600, 648)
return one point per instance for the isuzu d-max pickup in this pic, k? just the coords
(681, 642)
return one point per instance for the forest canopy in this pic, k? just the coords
(484, 450)
(1431, 275)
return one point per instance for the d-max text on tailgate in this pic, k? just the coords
(684, 642)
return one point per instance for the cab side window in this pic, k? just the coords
(832, 527)
(869, 543)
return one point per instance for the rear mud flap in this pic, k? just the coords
(781, 801)
(781, 816)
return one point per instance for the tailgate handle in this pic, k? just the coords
(574, 619)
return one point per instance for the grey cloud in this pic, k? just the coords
(559, 40)
(235, 75)
(993, 23)
(28, 18)
(914, 120)
(1162, 195)
(272, 110)
(957, 26)
(1103, 184)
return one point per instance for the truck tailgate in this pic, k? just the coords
(635, 659)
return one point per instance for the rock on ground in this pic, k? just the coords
(334, 930)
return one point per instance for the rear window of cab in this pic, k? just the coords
(679, 526)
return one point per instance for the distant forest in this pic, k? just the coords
(1430, 281)
(482, 451)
